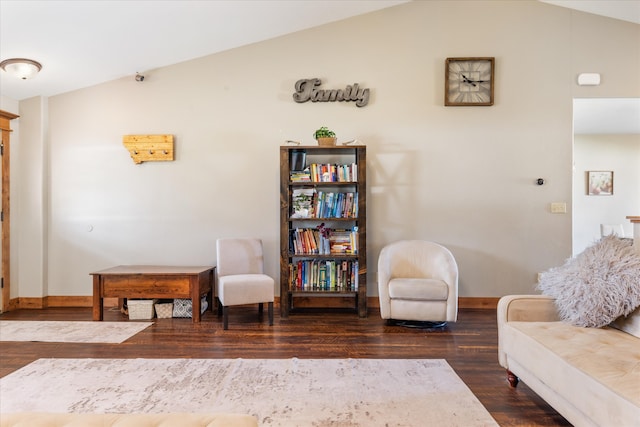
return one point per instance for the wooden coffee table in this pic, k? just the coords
(153, 281)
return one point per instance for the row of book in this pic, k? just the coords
(323, 241)
(309, 203)
(324, 275)
(319, 172)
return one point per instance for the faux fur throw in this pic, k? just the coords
(597, 286)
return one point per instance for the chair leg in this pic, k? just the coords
(219, 308)
(260, 309)
(225, 317)
(270, 313)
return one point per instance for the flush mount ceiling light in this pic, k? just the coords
(21, 67)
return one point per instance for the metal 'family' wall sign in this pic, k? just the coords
(306, 90)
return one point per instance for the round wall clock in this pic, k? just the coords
(469, 81)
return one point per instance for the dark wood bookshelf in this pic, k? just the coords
(342, 154)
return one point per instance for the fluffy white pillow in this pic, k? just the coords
(597, 286)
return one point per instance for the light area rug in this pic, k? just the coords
(64, 331)
(279, 392)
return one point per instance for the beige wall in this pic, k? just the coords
(463, 177)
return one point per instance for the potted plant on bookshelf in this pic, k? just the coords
(325, 137)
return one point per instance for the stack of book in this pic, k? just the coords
(328, 172)
(309, 203)
(302, 202)
(300, 176)
(343, 242)
(310, 241)
(324, 275)
(335, 205)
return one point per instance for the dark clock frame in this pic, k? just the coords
(449, 102)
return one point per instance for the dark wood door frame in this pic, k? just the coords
(5, 128)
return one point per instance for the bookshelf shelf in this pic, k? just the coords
(325, 256)
(321, 184)
(320, 294)
(323, 223)
(321, 219)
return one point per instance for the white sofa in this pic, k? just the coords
(591, 376)
(39, 419)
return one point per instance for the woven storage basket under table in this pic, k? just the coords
(140, 309)
(164, 310)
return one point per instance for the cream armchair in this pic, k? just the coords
(241, 278)
(418, 281)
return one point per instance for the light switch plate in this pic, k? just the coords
(559, 207)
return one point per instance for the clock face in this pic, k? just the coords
(469, 81)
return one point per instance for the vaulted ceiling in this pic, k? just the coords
(83, 43)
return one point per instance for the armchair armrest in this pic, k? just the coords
(523, 308)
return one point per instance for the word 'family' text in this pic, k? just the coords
(306, 90)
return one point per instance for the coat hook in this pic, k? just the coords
(149, 148)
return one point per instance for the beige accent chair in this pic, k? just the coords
(418, 281)
(241, 278)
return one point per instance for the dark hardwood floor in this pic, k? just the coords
(469, 346)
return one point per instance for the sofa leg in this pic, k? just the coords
(225, 317)
(512, 378)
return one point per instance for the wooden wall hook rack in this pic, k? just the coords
(149, 148)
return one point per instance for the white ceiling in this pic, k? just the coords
(626, 10)
(81, 43)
